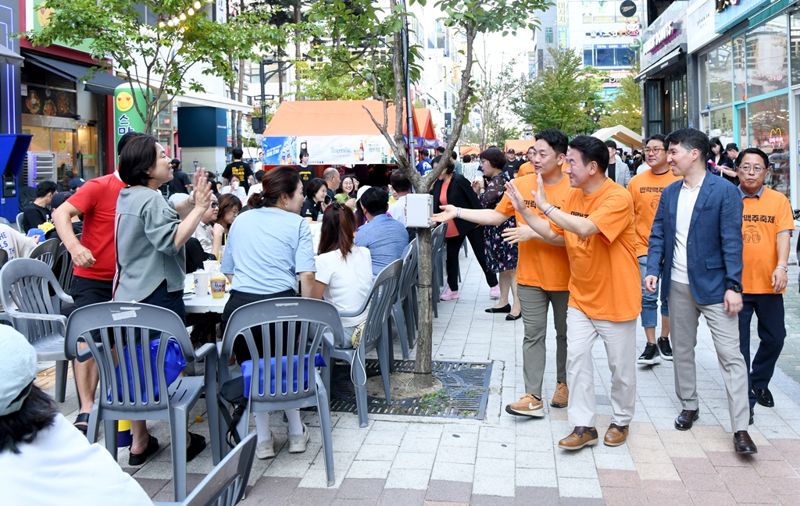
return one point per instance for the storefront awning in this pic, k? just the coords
(9, 56)
(666, 61)
(101, 82)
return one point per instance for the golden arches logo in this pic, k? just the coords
(776, 137)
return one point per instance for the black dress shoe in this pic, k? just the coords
(686, 419)
(764, 397)
(742, 443)
(511, 317)
(503, 309)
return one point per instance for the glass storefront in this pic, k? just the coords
(768, 127)
(766, 55)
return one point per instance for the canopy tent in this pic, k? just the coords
(519, 145)
(469, 150)
(332, 131)
(621, 134)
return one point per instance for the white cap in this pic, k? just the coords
(361, 190)
(17, 369)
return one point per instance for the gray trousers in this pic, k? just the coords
(534, 302)
(683, 318)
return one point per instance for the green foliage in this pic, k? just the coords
(330, 82)
(563, 96)
(626, 107)
(155, 57)
(493, 97)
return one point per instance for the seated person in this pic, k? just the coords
(385, 238)
(344, 270)
(44, 458)
(315, 202)
(401, 186)
(16, 244)
(234, 188)
(38, 212)
(347, 191)
(205, 229)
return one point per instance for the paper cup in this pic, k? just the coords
(201, 281)
(210, 266)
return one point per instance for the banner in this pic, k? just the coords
(126, 117)
(327, 150)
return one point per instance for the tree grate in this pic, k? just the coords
(464, 393)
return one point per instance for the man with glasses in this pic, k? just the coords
(767, 225)
(645, 189)
(696, 246)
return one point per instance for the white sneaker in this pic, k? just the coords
(297, 444)
(266, 449)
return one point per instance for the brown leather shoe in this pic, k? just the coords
(742, 444)
(560, 396)
(580, 437)
(616, 435)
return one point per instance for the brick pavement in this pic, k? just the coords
(505, 460)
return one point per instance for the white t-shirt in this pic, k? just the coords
(61, 467)
(16, 244)
(683, 218)
(239, 192)
(349, 281)
(398, 210)
(205, 234)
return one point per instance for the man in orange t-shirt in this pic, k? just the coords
(767, 226)
(527, 167)
(597, 227)
(542, 272)
(645, 189)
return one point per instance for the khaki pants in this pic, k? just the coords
(534, 303)
(683, 315)
(619, 339)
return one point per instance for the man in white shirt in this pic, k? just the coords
(401, 187)
(205, 229)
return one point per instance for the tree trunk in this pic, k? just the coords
(425, 287)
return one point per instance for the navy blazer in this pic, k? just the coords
(714, 242)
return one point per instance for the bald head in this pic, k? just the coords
(332, 178)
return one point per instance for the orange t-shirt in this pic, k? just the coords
(762, 219)
(646, 191)
(605, 282)
(539, 264)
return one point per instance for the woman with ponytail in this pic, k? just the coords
(267, 248)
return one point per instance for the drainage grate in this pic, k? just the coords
(465, 390)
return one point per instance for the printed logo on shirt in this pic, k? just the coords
(576, 213)
(758, 218)
(750, 235)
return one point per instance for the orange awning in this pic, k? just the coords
(425, 120)
(330, 118)
(469, 150)
(519, 145)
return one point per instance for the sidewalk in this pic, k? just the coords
(504, 459)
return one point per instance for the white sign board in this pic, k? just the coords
(699, 24)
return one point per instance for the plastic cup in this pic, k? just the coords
(210, 266)
(201, 282)
(218, 286)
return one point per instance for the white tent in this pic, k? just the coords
(621, 134)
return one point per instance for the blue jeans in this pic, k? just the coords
(650, 300)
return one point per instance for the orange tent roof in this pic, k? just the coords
(470, 150)
(425, 120)
(329, 117)
(519, 145)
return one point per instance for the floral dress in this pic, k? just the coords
(500, 255)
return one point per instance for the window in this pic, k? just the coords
(794, 47)
(588, 57)
(768, 122)
(604, 56)
(721, 124)
(548, 35)
(767, 62)
(678, 108)
(655, 110)
(739, 71)
(608, 56)
(719, 65)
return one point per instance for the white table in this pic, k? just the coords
(205, 304)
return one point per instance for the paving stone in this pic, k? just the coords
(369, 469)
(408, 478)
(352, 488)
(453, 472)
(449, 491)
(619, 496)
(271, 490)
(151, 485)
(401, 497)
(617, 478)
(579, 487)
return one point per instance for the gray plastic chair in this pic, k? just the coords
(437, 275)
(402, 314)
(46, 252)
(62, 268)
(26, 286)
(375, 337)
(293, 327)
(226, 483)
(112, 329)
(3, 257)
(19, 223)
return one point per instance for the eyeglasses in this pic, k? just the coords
(752, 169)
(652, 151)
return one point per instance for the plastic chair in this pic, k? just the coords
(62, 268)
(19, 223)
(26, 286)
(3, 257)
(402, 313)
(226, 483)
(374, 337)
(437, 276)
(46, 251)
(112, 330)
(293, 327)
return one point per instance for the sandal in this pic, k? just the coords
(82, 422)
(197, 444)
(137, 459)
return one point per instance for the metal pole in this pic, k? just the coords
(407, 75)
(263, 94)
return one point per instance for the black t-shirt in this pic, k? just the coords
(180, 181)
(511, 168)
(241, 170)
(33, 216)
(305, 174)
(310, 209)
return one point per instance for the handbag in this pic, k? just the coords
(174, 364)
(247, 373)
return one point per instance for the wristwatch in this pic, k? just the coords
(736, 287)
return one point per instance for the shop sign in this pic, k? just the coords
(732, 12)
(699, 24)
(665, 34)
(327, 150)
(126, 114)
(43, 101)
(627, 8)
(630, 30)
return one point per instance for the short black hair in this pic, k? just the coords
(753, 151)
(61, 197)
(657, 137)
(45, 187)
(555, 138)
(138, 156)
(399, 181)
(467, 159)
(423, 152)
(258, 176)
(375, 201)
(237, 153)
(691, 138)
(123, 141)
(731, 145)
(592, 149)
(36, 414)
(440, 149)
(714, 141)
(176, 164)
(611, 144)
(495, 157)
(303, 153)
(313, 187)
